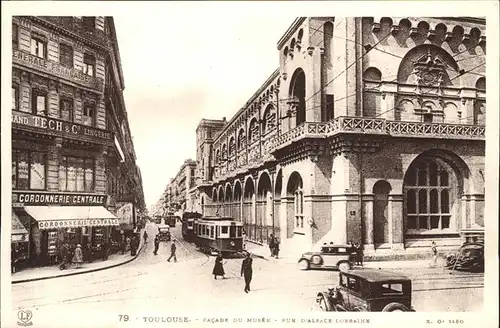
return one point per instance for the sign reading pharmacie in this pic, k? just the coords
(21, 198)
(73, 75)
(59, 127)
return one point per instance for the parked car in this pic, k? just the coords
(331, 256)
(368, 290)
(164, 233)
(470, 257)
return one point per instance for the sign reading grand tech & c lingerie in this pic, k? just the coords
(39, 198)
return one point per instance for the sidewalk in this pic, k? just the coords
(262, 251)
(49, 272)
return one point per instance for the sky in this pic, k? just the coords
(180, 67)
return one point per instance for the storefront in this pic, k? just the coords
(19, 243)
(54, 219)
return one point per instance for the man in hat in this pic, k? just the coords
(246, 271)
(434, 253)
(173, 248)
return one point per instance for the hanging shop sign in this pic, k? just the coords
(59, 127)
(73, 75)
(39, 198)
(77, 223)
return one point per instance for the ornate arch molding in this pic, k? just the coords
(455, 162)
(428, 65)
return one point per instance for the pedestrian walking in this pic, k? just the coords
(218, 267)
(276, 247)
(173, 248)
(434, 254)
(64, 253)
(145, 237)
(78, 257)
(246, 271)
(271, 244)
(157, 245)
(359, 253)
(134, 245)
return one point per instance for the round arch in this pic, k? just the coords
(228, 193)
(221, 194)
(278, 184)
(432, 55)
(297, 93)
(433, 186)
(294, 183)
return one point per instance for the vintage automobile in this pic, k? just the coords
(470, 257)
(331, 256)
(368, 290)
(164, 233)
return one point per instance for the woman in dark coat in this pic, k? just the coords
(218, 268)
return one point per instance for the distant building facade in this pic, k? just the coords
(176, 196)
(371, 130)
(74, 175)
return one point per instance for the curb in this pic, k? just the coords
(82, 272)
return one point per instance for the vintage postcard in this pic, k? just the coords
(249, 164)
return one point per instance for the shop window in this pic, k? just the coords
(15, 36)
(66, 109)
(28, 170)
(428, 202)
(66, 55)
(76, 174)
(89, 65)
(15, 97)
(88, 115)
(38, 47)
(39, 103)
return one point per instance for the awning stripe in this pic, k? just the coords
(55, 217)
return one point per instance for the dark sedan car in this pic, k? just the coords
(331, 256)
(470, 257)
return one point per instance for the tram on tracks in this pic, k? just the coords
(218, 234)
(188, 221)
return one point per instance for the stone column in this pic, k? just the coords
(395, 218)
(25, 91)
(388, 100)
(368, 221)
(53, 160)
(53, 99)
(100, 170)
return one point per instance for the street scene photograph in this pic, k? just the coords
(181, 166)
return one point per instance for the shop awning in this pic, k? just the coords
(18, 232)
(55, 217)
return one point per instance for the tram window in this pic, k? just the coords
(223, 229)
(212, 232)
(239, 232)
(232, 231)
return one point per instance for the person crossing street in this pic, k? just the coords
(157, 245)
(173, 248)
(246, 271)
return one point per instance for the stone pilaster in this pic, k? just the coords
(53, 162)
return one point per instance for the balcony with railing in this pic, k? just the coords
(354, 125)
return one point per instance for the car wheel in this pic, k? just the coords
(303, 265)
(316, 260)
(344, 266)
(395, 307)
(324, 305)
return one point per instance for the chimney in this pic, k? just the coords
(224, 119)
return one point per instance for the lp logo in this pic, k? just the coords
(25, 317)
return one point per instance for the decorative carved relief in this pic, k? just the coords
(254, 131)
(429, 70)
(38, 82)
(232, 147)
(66, 90)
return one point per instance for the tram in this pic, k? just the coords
(170, 220)
(218, 234)
(188, 220)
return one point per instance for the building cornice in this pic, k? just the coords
(295, 25)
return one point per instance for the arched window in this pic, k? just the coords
(481, 83)
(224, 152)
(241, 140)
(299, 208)
(217, 157)
(232, 147)
(269, 120)
(428, 194)
(254, 131)
(372, 74)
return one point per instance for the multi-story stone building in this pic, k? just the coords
(176, 196)
(371, 130)
(74, 176)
